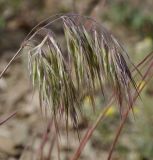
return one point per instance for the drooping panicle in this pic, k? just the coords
(95, 60)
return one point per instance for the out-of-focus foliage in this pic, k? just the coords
(7, 7)
(13, 3)
(7, 4)
(141, 48)
(2, 22)
(134, 16)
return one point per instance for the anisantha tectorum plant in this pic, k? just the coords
(91, 57)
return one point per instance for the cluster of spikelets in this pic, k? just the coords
(93, 59)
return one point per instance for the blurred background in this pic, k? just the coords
(131, 21)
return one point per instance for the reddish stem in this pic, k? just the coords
(90, 132)
(10, 116)
(127, 112)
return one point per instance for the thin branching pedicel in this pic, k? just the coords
(93, 59)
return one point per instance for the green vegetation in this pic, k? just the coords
(135, 17)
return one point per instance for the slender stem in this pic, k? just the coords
(127, 112)
(144, 61)
(45, 138)
(10, 62)
(10, 116)
(90, 132)
(118, 133)
(52, 142)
